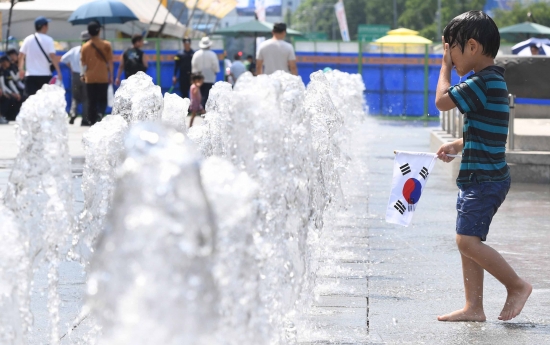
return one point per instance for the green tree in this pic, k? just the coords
(421, 14)
(319, 16)
(381, 11)
(518, 14)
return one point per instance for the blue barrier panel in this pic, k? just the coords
(533, 101)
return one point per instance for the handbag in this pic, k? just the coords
(52, 67)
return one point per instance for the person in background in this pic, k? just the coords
(133, 59)
(96, 58)
(237, 67)
(250, 64)
(14, 59)
(534, 49)
(196, 107)
(206, 62)
(275, 54)
(182, 64)
(78, 88)
(37, 58)
(11, 94)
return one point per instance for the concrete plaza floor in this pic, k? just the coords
(391, 282)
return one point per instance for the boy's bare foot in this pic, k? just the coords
(464, 315)
(515, 301)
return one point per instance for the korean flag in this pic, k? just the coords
(410, 174)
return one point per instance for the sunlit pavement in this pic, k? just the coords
(392, 281)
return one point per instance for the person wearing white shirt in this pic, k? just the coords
(35, 57)
(275, 54)
(237, 67)
(205, 62)
(78, 88)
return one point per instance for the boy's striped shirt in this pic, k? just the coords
(483, 99)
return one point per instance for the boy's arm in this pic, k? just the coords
(452, 148)
(442, 100)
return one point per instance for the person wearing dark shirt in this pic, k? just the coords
(11, 93)
(182, 64)
(133, 59)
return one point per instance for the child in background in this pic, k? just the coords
(196, 107)
(471, 42)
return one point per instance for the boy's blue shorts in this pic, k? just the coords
(476, 204)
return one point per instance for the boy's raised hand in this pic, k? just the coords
(446, 54)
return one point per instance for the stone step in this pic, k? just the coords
(532, 134)
(528, 157)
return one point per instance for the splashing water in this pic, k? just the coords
(103, 147)
(138, 99)
(175, 111)
(213, 240)
(14, 283)
(39, 191)
(151, 281)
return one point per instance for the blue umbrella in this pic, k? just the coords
(524, 48)
(103, 11)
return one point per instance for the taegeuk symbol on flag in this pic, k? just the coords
(410, 174)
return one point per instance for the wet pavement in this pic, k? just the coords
(385, 284)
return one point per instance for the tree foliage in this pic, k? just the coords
(518, 14)
(421, 15)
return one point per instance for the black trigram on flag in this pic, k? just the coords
(399, 206)
(405, 169)
(424, 173)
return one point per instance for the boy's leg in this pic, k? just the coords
(489, 259)
(473, 289)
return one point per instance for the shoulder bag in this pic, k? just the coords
(52, 67)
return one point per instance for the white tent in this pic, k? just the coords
(58, 11)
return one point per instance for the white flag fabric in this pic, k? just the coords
(410, 174)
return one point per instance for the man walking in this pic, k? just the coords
(96, 58)
(237, 67)
(275, 54)
(78, 88)
(133, 59)
(206, 62)
(37, 58)
(182, 63)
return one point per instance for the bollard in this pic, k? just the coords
(511, 136)
(442, 119)
(460, 124)
(453, 123)
(448, 120)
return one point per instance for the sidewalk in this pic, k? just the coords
(385, 284)
(415, 272)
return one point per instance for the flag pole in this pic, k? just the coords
(448, 155)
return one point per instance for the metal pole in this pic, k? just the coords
(190, 18)
(438, 18)
(151, 22)
(426, 81)
(157, 47)
(9, 25)
(442, 119)
(200, 20)
(166, 17)
(216, 25)
(208, 23)
(395, 14)
(511, 133)
(449, 119)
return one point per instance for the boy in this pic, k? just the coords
(471, 41)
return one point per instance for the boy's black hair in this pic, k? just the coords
(196, 77)
(4, 58)
(12, 51)
(476, 25)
